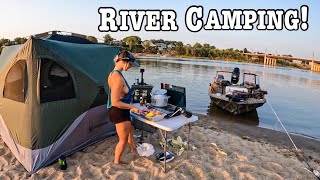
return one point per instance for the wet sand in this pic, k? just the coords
(252, 153)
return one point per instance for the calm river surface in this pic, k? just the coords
(294, 94)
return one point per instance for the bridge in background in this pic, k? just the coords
(269, 59)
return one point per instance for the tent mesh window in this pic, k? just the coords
(56, 82)
(16, 83)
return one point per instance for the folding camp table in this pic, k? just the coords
(168, 125)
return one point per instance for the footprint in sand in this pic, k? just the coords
(2, 152)
(142, 164)
(275, 167)
(3, 163)
(83, 172)
(219, 173)
(94, 158)
(246, 176)
(146, 167)
(126, 176)
(273, 176)
(194, 170)
(238, 157)
(242, 167)
(111, 169)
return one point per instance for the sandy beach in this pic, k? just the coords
(252, 153)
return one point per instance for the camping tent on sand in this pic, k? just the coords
(52, 99)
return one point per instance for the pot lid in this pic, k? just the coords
(160, 92)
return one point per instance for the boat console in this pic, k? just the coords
(235, 75)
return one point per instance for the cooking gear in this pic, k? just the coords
(183, 111)
(159, 98)
(141, 89)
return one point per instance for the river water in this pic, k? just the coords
(294, 94)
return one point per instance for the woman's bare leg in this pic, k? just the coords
(131, 140)
(123, 130)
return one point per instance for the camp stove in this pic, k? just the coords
(141, 89)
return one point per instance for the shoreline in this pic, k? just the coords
(278, 138)
(252, 153)
(252, 124)
(150, 56)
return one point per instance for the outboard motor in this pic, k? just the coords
(235, 75)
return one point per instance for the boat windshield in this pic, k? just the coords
(223, 75)
(250, 78)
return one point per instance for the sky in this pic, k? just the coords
(25, 18)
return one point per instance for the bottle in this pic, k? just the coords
(141, 101)
(62, 163)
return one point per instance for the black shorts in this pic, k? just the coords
(117, 115)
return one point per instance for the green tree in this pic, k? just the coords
(137, 48)
(197, 46)
(179, 48)
(92, 39)
(188, 50)
(20, 40)
(107, 39)
(132, 41)
(204, 52)
(154, 50)
(207, 46)
(146, 45)
(230, 50)
(157, 41)
(4, 42)
(245, 50)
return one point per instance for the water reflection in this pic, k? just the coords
(250, 118)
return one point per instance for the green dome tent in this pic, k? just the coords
(52, 99)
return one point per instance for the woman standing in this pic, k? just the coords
(119, 102)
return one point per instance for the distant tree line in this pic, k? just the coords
(135, 45)
(173, 48)
(177, 48)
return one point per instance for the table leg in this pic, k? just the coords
(141, 138)
(165, 151)
(188, 138)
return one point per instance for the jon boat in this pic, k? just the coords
(237, 98)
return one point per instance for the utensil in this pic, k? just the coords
(183, 111)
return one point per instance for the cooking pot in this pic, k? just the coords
(159, 98)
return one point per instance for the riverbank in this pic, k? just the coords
(252, 153)
(281, 63)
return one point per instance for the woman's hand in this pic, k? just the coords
(136, 110)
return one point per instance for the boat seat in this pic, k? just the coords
(225, 83)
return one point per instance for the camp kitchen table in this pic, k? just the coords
(168, 124)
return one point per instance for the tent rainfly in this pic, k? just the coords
(53, 97)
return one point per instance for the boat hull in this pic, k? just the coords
(236, 107)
